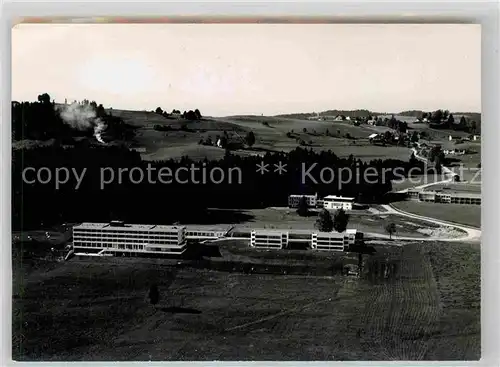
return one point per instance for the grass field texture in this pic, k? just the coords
(457, 213)
(428, 309)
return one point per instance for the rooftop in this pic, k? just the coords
(300, 231)
(333, 197)
(207, 227)
(127, 227)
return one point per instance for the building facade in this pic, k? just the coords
(204, 234)
(333, 241)
(293, 200)
(332, 202)
(119, 238)
(323, 241)
(269, 239)
(445, 197)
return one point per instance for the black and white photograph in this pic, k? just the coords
(245, 191)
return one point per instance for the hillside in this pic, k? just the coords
(365, 113)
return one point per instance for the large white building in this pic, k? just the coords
(275, 239)
(120, 238)
(332, 202)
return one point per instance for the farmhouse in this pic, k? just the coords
(293, 200)
(337, 202)
(324, 241)
(117, 237)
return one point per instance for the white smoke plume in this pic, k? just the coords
(83, 117)
(98, 129)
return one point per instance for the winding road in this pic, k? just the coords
(472, 234)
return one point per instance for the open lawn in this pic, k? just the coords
(457, 213)
(413, 302)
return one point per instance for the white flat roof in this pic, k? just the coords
(303, 231)
(127, 227)
(270, 231)
(347, 231)
(372, 136)
(333, 197)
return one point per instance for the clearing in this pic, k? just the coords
(456, 213)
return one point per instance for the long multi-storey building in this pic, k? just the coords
(445, 197)
(120, 238)
(275, 239)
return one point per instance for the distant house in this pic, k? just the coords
(316, 117)
(476, 137)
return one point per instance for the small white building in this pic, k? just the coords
(293, 200)
(332, 202)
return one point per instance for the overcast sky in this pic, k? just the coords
(226, 69)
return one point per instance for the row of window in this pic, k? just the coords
(105, 235)
(268, 240)
(278, 238)
(112, 240)
(124, 247)
(86, 230)
(206, 234)
(333, 241)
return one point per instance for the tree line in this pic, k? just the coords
(43, 120)
(187, 115)
(145, 202)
